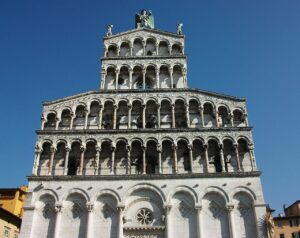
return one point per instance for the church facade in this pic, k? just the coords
(145, 156)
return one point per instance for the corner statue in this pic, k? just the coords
(144, 19)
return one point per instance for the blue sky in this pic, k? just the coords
(249, 48)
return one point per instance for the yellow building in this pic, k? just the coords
(288, 226)
(9, 224)
(12, 199)
(11, 211)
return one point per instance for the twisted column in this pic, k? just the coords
(128, 149)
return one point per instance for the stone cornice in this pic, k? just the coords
(142, 131)
(133, 91)
(144, 57)
(157, 31)
(145, 177)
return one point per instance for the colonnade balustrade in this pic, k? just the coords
(144, 77)
(143, 47)
(140, 115)
(121, 158)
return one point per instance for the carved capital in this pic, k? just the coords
(58, 208)
(89, 207)
(229, 208)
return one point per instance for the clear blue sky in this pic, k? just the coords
(249, 48)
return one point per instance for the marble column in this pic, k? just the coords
(187, 113)
(206, 157)
(100, 117)
(103, 76)
(67, 160)
(144, 78)
(252, 158)
(144, 47)
(157, 78)
(128, 149)
(58, 210)
(89, 220)
(57, 121)
(52, 154)
(217, 117)
(36, 162)
(158, 114)
(175, 158)
(82, 150)
(245, 116)
(222, 158)
(97, 166)
(72, 121)
(231, 119)
(159, 158)
(173, 116)
(144, 115)
(156, 47)
(130, 77)
(190, 147)
(171, 76)
(129, 115)
(117, 78)
(199, 222)
(144, 159)
(115, 116)
(184, 77)
(120, 221)
(168, 221)
(86, 119)
(238, 162)
(112, 169)
(201, 109)
(43, 122)
(231, 221)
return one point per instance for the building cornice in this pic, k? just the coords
(141, 131)
(145, 176)
(157, 31)
(133, 91)
(152, 57)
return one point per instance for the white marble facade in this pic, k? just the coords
(145, 156)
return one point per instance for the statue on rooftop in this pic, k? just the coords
(179, 28)
(109, 30)
(144, 19)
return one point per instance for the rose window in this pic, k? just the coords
(144, 216)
